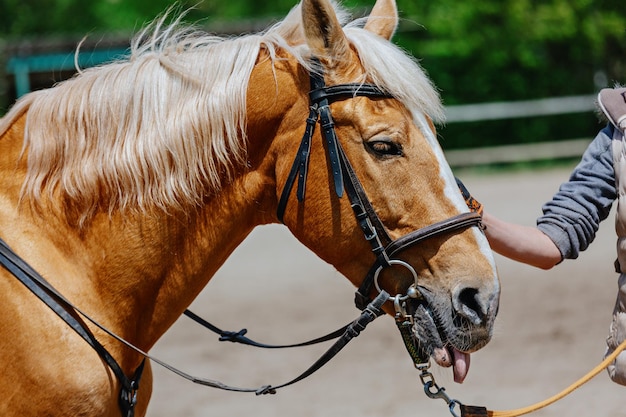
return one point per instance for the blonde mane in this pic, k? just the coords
(166, 127)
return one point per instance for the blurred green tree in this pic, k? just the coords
(501, 50)
(493, 50)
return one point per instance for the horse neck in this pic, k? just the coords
(205, 239)
(146, 268)
(133, 272)
(158, 264)
(196, 245)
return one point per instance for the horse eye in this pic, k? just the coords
(384, 147)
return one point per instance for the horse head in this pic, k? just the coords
(389, 141)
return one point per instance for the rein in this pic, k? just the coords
(69, 312)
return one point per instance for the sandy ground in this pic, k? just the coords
(550, 331)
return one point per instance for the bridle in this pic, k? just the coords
(344, 178)
(385, 249)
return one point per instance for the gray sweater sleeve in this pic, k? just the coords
(571, 219)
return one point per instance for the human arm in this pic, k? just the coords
(521, 243)
(525, 244)
(569, 221)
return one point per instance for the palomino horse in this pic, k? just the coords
(128, 186)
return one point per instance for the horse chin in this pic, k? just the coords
(447, 337)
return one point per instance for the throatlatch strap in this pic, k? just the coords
(301, 162)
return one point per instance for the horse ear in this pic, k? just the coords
(323, 31)
(383, 20)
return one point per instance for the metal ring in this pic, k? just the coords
(394, 262)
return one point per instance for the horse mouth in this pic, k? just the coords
(447, 337)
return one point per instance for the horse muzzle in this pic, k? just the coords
(448, 328)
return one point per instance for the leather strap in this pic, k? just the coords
(352, 330)
(128, 395)
(300, 165)
(344, 178)
(320, 98)
(369, 314)
(473, 411)
(239, 337)
(453, 224)
(345, 91)
(68, 313)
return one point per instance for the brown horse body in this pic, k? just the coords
(136, 266)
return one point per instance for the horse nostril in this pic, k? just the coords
(466, 302)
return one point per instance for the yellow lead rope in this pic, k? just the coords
(595, 371)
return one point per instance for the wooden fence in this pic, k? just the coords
(519, 109)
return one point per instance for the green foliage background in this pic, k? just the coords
(492, 50)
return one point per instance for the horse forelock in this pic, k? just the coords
(166, 126)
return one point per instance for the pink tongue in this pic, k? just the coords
(460, 366)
